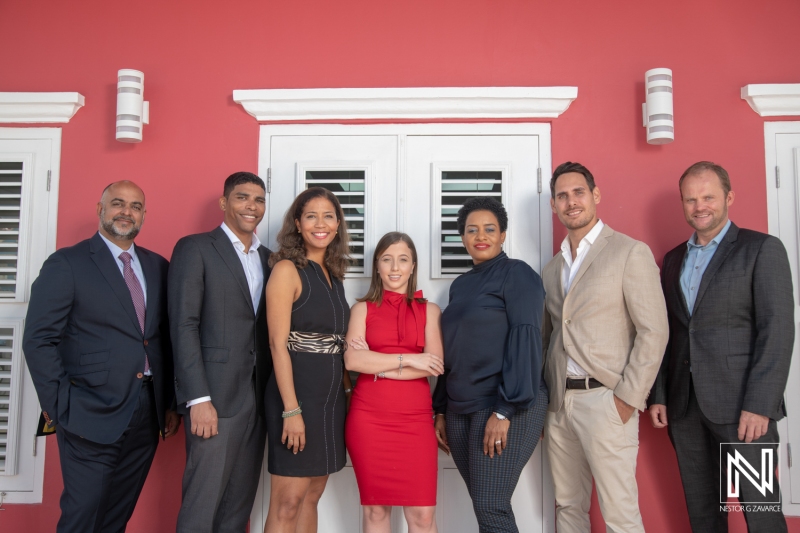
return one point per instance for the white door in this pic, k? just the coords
(783, 198)
(397, 180)
(28, 197)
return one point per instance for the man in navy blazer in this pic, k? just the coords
(97, 344)
(731, 321)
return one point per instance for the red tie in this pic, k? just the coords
(137, 295)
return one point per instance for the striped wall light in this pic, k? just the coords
(132, 111)
(657, 114)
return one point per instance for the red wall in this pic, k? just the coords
(195, 53)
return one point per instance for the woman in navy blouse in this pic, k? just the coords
(491, 402)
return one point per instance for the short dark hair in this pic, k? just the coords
(565, 168)
(482, 203)
(238, 178)
(702, 166)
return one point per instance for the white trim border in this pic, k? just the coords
(773, 99)
(36, 108)
(268, 105)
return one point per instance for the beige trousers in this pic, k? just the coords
(586, 438)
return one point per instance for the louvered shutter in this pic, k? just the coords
(349, 186)
(451, 189)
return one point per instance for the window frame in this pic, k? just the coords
(41, 233)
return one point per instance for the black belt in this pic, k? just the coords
(583, 383)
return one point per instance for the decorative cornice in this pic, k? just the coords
(26, 108)
(773, 99)
(406, 103)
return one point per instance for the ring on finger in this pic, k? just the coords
(498, 442)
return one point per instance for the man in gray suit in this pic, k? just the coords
(731, 316)
(218, 322)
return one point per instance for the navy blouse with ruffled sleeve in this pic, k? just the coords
(492, 339)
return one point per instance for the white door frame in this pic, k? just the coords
(771, 129)
(43, 192)
(402, 131)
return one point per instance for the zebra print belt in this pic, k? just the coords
(301, 341)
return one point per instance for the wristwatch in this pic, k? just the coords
(499, 416)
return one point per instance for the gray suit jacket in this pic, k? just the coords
(216, 336)
(738, 341)
(613, 321)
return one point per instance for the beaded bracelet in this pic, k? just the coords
(400, 369)
(296, 411)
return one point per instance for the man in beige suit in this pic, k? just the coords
(605, 330)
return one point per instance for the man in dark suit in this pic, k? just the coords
(97, 344)
(218, 317)
(731, 315)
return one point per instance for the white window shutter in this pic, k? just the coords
(10, 387)
(451, 188)
(10, 218)
(350, 188)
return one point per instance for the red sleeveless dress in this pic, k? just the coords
(389, 429)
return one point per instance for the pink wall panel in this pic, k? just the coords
(195, 53)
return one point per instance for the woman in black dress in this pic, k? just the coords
(491, 402)
(305, 402)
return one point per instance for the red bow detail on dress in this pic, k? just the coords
(419, 317)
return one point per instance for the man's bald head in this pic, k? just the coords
(122, 183)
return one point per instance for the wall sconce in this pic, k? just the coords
(132, 111)
(657, 110)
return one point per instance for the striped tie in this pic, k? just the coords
(137, 295)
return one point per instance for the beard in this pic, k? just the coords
(111, 229)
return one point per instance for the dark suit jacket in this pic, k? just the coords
(738, 340)
(83, 343)
(216, 336)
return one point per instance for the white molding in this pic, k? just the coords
(773, 99)
(24, 108)
(268, 105)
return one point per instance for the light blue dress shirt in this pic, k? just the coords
(695, 263)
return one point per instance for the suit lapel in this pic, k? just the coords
(225, 249)
(150, 270)
(264, 253)
(107, 265)
(674, 277)
(723, 250)
(594, 251)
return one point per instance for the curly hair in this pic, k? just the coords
(482, 203)
(291, 245)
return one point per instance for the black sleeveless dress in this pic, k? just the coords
(318, 383)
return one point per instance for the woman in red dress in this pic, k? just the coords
(395, 342)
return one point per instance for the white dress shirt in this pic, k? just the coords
(253, 271)
(135, 265)
(251, 263)
(568, 275)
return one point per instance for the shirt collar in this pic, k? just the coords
(236, 240)
(590, 237)
(116, 250)
(692, 242)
